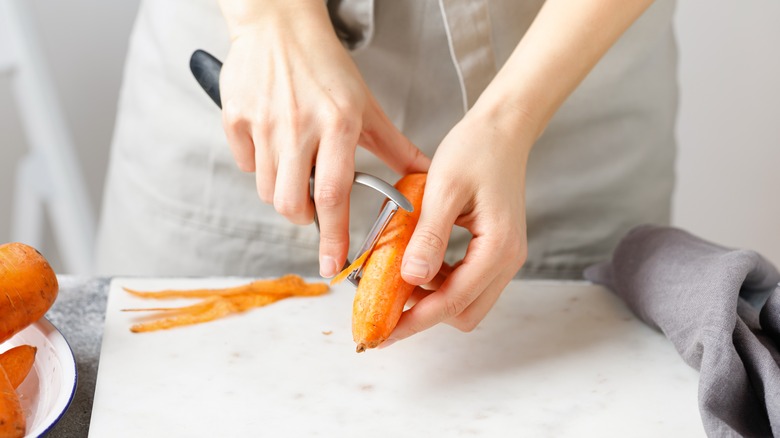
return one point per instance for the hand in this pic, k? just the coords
(292, 99)
(476, 181)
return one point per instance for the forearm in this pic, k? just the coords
(563, 44)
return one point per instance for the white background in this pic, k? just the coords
(728, 130)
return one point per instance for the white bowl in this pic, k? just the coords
(48, 390)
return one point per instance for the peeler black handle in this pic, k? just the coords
(206, 68)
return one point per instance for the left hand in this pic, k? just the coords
(476, 181)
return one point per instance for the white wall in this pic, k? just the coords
(729, 124)
(85, 42)
(729, 159)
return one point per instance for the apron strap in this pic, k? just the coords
(467, 23)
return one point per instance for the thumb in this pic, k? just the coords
(425, 252)
(383, 139)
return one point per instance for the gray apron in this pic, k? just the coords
(176, 204)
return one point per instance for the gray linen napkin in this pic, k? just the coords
(720, 307)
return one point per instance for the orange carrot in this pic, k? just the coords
(382, 293)
(28, 288)
(17, 363)
(12, 421)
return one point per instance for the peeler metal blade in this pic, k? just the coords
(395, 200)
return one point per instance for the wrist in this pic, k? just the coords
(246, 16)
(512, 121)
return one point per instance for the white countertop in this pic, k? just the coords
(552, 359)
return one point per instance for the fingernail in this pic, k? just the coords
(328, 266)
(416, 268)
(387, 342)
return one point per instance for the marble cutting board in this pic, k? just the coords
(552, 359)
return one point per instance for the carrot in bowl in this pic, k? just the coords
(17, 363)
(12, 421)
(28, 288)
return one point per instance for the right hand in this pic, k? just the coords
(292, 99)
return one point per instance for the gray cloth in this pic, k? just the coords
(720, 307)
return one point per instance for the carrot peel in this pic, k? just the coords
(349, 269)
(218, 303)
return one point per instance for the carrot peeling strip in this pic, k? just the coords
(217, 303)
(288, 284)
(215, 309)
(355, 265)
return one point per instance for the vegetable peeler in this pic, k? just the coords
(206, 69)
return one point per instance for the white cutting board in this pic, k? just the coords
(551, 359)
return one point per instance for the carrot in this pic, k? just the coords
(28, 288)
(17, 363)
(382, 293)
(12, 421)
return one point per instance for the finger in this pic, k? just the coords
(511, 254)
(461, 288)
(417, 295)
(291, 194)
(439, 278)
(239, 139)
(474, 314)
(424, 254)
(334, 173)
(265, 167)
(423, 291)
(384, 140)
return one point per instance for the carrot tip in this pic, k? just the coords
(361, 348)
